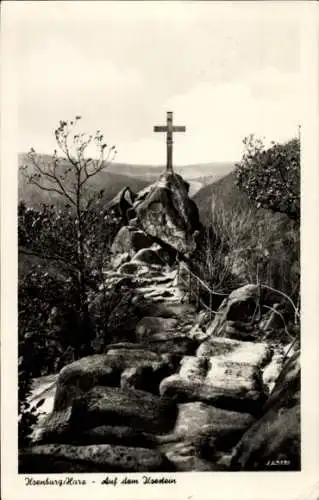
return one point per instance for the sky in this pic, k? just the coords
(225, 70)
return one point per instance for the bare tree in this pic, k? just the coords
(68, 174)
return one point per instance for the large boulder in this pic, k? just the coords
(110, 406)
(166, 212)
(114, 406)
(274, 440)
(242, 314)
(100, 369)
(235, 385)
(47, 458)
(202, 434)
(198, 420)
(80, 376)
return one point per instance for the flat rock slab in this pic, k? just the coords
(231, 398)
(113, 406)
(253, 353)
(199, 419)
(102, 457)
(243, 381)
(229, 385)
(100, 369)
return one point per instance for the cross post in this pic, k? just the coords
(169, 129)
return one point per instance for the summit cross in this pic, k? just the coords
(169, 129)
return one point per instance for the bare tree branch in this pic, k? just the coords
(52, 178)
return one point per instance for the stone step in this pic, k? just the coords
(103, 369)
(254, 353)
(225, 384)
(196, 420)
(110, 406)
(113, 406)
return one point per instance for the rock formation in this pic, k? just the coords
(165, 212)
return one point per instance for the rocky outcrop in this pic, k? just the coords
(166, 212)
(162, 212)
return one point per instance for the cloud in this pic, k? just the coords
(218, 117)
(223, 69)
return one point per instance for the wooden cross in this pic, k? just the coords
(169, 129)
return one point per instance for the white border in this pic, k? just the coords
(255, 486)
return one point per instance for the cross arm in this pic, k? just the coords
(179, 128)
(160, 128)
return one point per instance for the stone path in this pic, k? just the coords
(179, 399)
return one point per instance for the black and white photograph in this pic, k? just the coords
(158, 230)
(158, 233)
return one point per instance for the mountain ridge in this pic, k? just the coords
(116, 176)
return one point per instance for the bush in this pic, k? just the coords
(271, 177)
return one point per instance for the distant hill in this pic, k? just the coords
(119, 175)
(111, 182)
(224, 191)
(199, 171)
